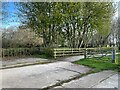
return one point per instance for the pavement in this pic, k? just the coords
(22, 60)
(111, 82)
(60, 74)
(73, 58)
(41, 76)
(104, 79)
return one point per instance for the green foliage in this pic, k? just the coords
(11, 52)
(48, 52)
(70, 23)
(40, 56)
(35, 52)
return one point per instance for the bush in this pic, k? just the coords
(48, 52)
(20, 51)
(21, 38)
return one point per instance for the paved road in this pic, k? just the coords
(40, 76)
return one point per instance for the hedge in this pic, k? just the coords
(19, 51)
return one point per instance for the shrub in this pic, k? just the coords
(48, 52)
(20, 51)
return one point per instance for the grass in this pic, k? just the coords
(109, 58)
(103, 63)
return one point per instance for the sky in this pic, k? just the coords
(13, 20)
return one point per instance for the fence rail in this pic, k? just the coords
(57, 52)
(61, 52)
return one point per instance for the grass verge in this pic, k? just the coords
(101, 64)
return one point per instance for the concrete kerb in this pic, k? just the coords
(23, 64)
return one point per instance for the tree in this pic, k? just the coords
(73, 24)
(20, 38)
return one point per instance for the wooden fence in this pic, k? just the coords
(61, 52)
(57, 52)
(12, 52)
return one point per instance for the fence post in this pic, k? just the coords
(85, 53)
(72, 51)
(63, 51)
(55, 53)
(113, 55)
(2, 53)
